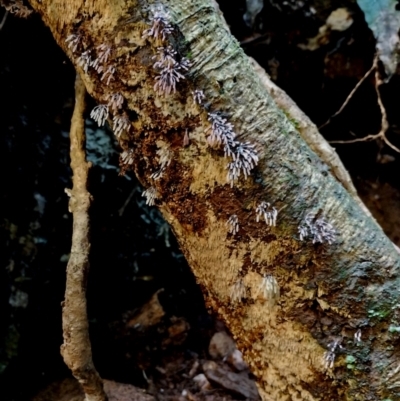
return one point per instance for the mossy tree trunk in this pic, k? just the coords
(329, 293)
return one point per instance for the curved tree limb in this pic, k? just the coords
(309, 132)
(331, 334)
(76, 349)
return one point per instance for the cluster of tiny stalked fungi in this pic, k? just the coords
(330, 355)
(151, 195)
(127, 156)
(102, 66)
(98, 59)
(233, 224)
(161, 26)
(317, 229)
(268, 290)
(238, 291)
(164, 159)
(269, 287)
(171, 68)
(270, 214)
(121, 123)
(243, 154)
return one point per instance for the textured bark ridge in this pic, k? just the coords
(332, 332)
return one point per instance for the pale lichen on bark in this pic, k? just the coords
(325, 290)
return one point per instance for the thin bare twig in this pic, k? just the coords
(384, 120)
(3, 21)
(350, 95)
(364, 139)
(253, 39)
(76, 349)
(122, 209)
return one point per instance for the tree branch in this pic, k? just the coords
(309, 132)
(242, 238)
(76, 349)
(384, 120)
(349, 96)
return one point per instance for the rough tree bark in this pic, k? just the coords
(329, 293)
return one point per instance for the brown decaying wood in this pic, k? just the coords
(76, 349)
(328, 292)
